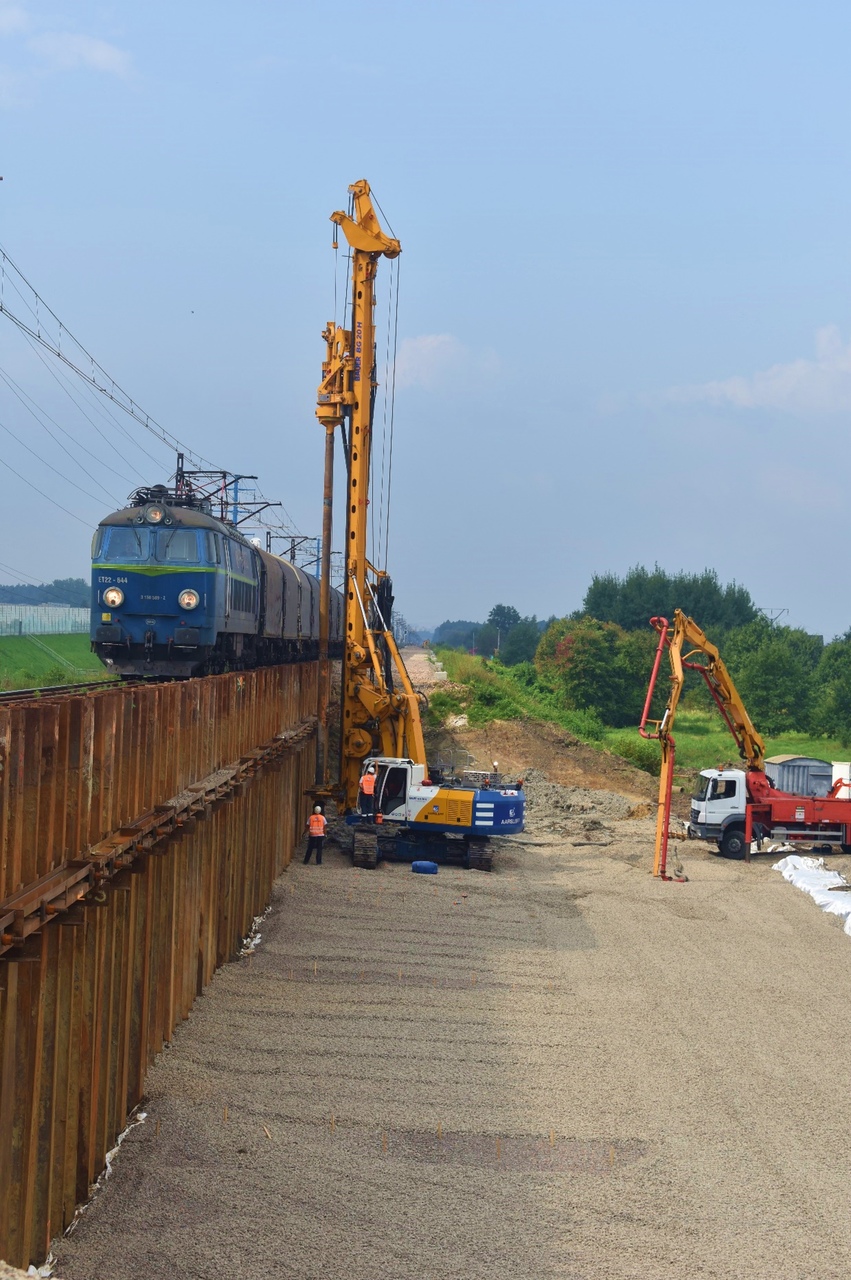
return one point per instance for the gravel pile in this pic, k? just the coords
(563, 810)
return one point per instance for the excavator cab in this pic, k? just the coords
(394, 779)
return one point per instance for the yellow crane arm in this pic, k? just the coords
(686, 634)
(363, 232)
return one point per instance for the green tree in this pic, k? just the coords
(503, 617)
(456, 635)
(775, 671)
(832, 714)
(545, 654)
(486, 639)
(69, 591)
(636, 652)
(592, 674)
(632, 600)
(521, 642)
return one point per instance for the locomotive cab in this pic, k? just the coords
(158, 581)
(177, 592)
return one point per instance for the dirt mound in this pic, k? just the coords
(575, 811)
(523, 745)
(550, 798)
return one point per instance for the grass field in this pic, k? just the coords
(702, 739)
(30, 661)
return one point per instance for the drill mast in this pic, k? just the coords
(376, 718)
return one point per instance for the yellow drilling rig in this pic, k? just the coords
(416, 814)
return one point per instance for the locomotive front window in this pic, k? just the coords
(178, 546)
(123, 544)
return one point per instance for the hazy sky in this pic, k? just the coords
(625, 318)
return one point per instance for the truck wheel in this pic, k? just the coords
(732, 843)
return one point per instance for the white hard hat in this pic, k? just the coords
(317, 808)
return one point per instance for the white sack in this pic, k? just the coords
(811, 875)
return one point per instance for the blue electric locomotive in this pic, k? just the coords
(176, 593)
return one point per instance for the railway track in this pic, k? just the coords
(55, 690)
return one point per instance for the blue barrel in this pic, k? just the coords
(424, 868)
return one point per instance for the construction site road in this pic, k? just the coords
(562, 1069)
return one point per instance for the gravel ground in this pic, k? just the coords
(422, 666)
(560, 1069)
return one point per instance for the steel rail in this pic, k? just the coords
(54, 690)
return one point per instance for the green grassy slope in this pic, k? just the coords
(703, 741)
(491, 692)
(26, 661)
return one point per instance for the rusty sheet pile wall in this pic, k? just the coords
(140, 831)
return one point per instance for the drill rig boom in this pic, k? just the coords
(380, 709)
(377, 719)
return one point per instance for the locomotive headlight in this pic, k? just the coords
(113, 596)
(188, 599)
(155, 515)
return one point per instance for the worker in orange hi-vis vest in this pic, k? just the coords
(316, 825)
(366, 800)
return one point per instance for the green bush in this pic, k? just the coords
(586, 725)
(638, 750)
(56, 675)
(491, 702)
(441, 706)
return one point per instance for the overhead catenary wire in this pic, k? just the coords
(18, 573)
(22, 396)
(27, 581)
(97, 405)
(107, 386)
(39, 331)
(42, 494)
(50, 466)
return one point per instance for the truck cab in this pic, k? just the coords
(718, 809)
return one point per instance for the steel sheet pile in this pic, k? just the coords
(140, 831)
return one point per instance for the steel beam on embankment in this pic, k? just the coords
(140, 831)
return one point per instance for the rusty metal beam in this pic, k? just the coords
(101, 796)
